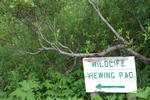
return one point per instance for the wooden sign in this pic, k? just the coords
(110, 74)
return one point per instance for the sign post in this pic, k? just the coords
(110, 74)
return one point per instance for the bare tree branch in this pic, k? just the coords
(65, 47)
(40, 50)
(139, 56)
(39, 32)
(54, 45)
(103, 53)
(34, 53)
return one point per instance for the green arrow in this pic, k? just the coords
(99, 86)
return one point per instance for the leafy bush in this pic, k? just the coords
(41, 77)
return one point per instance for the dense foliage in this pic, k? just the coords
(42, 76)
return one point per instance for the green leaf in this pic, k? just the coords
(98, 98)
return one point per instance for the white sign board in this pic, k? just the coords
(110, 74)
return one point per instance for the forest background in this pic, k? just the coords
(42, 42)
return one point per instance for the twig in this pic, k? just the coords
(63, 46)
